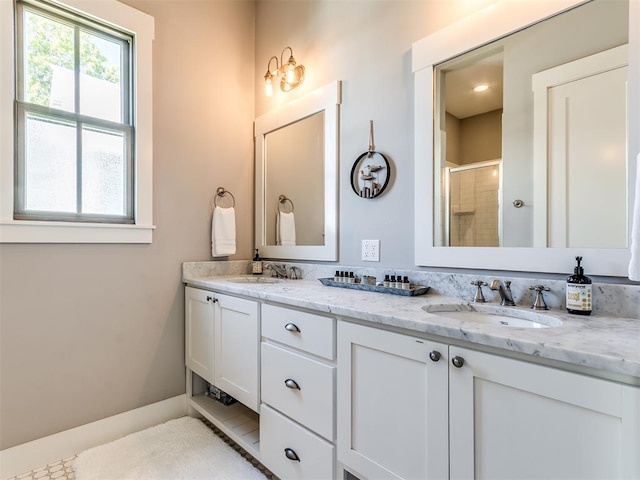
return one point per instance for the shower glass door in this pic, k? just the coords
(473, 204)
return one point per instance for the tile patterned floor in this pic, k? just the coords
(62, 469)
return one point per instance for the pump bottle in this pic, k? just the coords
(256, 266)
(579, 291)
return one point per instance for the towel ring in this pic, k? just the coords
(282, 200)
(222, 193)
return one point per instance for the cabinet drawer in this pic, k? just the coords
(278, 434)
(312, 404)
(306, 331)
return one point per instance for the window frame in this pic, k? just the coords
(95, 230)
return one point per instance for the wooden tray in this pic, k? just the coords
(410, 292)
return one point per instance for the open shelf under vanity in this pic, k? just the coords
(237, 421)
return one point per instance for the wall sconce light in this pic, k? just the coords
(291, 74)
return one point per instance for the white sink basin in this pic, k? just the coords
(254, 280)
(494, 315)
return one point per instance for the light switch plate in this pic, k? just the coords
(371, 250)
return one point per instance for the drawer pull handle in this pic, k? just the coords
(434, 356)
(292, 327)
(292, 384)
(458, 362)
(291, 455)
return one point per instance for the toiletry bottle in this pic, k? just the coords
(385, 282)
(352, 278)
(579, 291)
(256, 267)
(406, 285)
(336, 277)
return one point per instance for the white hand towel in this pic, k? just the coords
(634, 264)
(223, 232)
(286, 229)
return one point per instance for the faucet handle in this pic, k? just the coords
(294, 273)
(479, 296)
(538, 302)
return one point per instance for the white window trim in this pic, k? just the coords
(20, 231)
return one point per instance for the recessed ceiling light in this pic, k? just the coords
(481, 88)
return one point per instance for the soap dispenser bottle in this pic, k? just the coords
(579, 291)
(256, 267)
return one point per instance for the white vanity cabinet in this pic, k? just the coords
(319, 396)
(199, 326)
(236, 340)
(222, 344)
(475, 415)
(297, 415)
(514, 419)
(392, 404)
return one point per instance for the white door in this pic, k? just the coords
(515, 420)
(199, 345)
(581, 109)
(237, 342)
(392, 404)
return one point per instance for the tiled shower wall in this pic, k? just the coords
(474, 207)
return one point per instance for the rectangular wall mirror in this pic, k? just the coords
(539, 165)
(296, 177)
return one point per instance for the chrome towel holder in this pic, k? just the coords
(282, 201)
(221, 193)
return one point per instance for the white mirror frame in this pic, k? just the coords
(493, 22)
(327, 99)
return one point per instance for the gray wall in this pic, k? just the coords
(367, 45)
(89, 331)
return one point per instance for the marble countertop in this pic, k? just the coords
(608, 344)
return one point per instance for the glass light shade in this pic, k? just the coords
(291, 74)
(268, 85)
(298, 78)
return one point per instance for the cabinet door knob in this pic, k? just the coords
(435, 355)
(291, 455)
(209, 298)
(458, 362)
(292, 384)
(292, 327)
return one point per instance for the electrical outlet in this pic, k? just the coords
(371, 250)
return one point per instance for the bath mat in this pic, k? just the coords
(181, 449)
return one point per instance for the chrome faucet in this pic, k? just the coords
(278, 270)
(506, 298)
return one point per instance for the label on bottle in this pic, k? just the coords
(257, 267)
(579, 297)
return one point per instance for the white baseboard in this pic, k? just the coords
(40, 452)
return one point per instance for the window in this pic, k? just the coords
(73, 122)
(80, 169)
